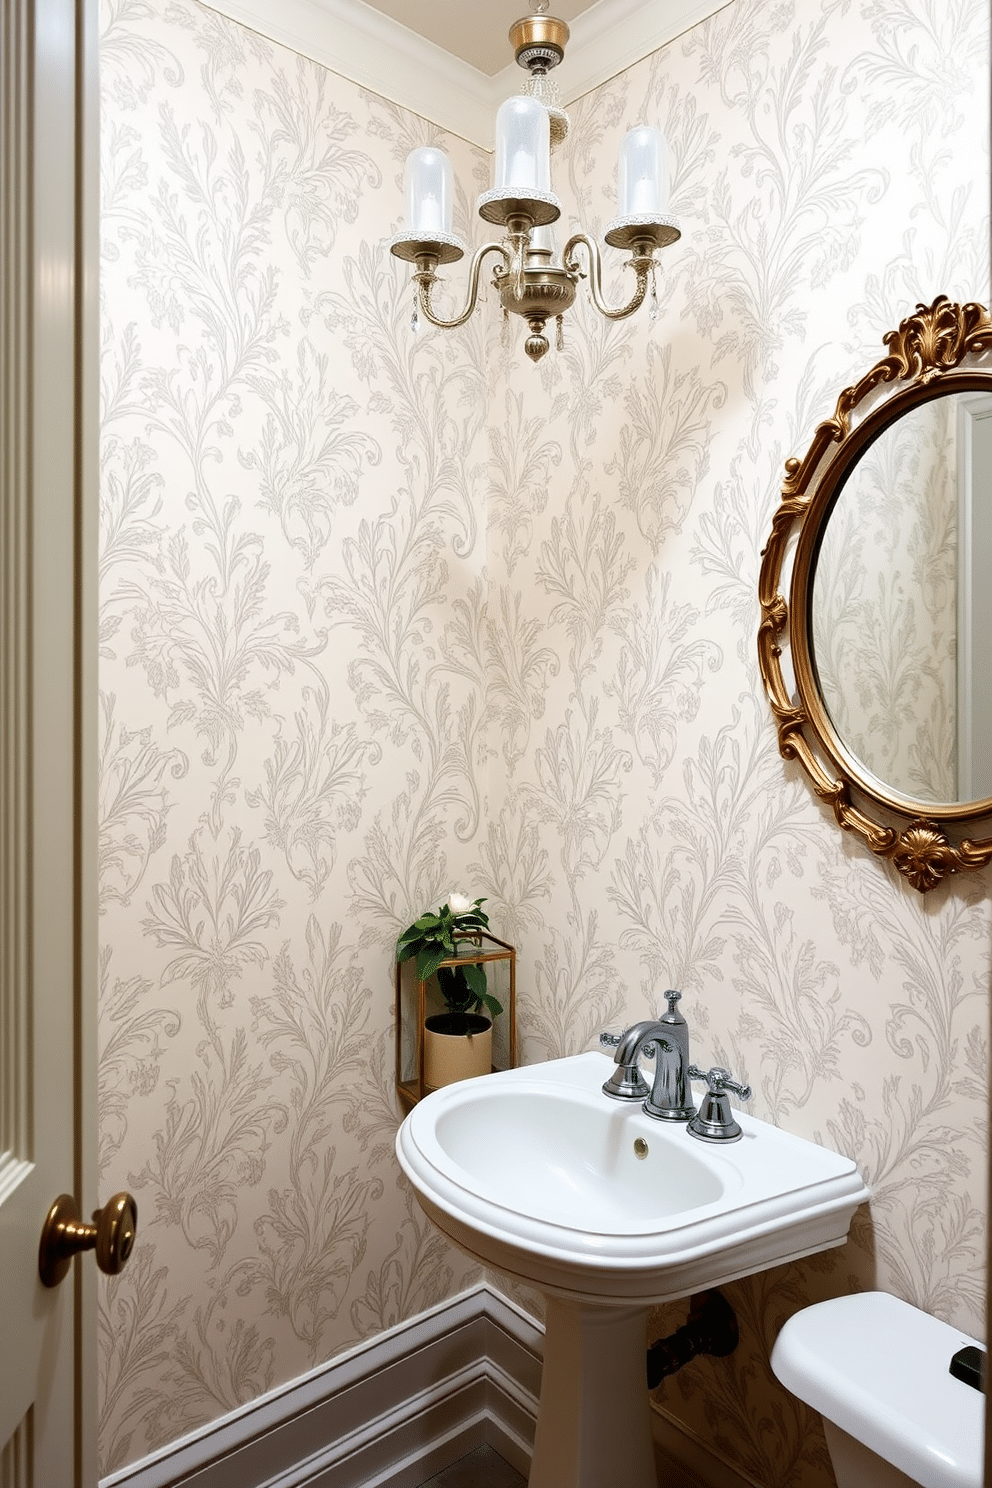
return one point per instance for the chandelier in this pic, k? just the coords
(531, 278)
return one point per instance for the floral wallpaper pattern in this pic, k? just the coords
(384, 615)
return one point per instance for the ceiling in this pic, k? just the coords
(474, 30)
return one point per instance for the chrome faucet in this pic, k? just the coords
(670, 1098)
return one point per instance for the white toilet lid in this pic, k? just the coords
(879, 1369)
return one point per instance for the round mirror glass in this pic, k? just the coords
(901, 600)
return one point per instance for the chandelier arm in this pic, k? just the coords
(426, 278)
(640, 262)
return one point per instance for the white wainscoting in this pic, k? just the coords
(392, 1412)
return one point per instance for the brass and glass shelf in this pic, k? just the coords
(418, 1000)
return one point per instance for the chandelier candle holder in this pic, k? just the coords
(531, 278)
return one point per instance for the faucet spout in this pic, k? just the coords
(671, 1097)
(633, 1043)
(626, 1083)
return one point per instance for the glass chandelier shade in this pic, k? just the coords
(523, 147)
(521, 165)
(642, 173)
(642, 189)
(429, 187)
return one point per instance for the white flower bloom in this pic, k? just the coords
(459, 903)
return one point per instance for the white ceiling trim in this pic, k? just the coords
(376, 52)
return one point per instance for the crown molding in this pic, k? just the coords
(377, 53)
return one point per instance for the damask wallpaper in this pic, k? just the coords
(385, 615)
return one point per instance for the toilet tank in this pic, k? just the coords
(880, 1370)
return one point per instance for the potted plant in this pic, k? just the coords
(457, 1042)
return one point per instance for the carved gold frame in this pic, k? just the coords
(934, 352)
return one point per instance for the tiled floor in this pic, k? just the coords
(482, 1468)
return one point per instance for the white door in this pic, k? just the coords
(48, 425)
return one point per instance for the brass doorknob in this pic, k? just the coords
(111, 1235)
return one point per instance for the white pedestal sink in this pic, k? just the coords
(607, 1211)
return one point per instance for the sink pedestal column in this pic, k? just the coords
(594, 1420)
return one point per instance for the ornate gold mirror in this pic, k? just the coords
(886, 523)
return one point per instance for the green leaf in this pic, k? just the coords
(426, 922)
(493, 1008)
(428, 961)
(475, 976)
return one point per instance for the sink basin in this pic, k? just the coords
(607, 1211)
(536, 1172)
(556, 1156)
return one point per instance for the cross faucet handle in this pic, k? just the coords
(718, 1079)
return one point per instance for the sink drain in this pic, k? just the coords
(640, 1147)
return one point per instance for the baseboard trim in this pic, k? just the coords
(686, 1461)
(392, 1412)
